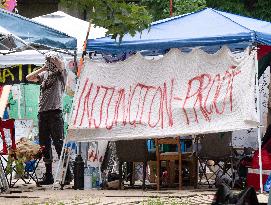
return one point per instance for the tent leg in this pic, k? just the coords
(260, 120)
(60, 165)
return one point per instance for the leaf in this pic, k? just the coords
(116, 16)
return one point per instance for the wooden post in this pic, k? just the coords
(157, 164)
(180, 163)
(170, 7)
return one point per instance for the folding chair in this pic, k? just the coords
(216, 156)
(30, 167)
(9, 126)
(132, 151)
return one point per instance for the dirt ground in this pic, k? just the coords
(32, 195)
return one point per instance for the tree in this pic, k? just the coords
(159, 9)
(118, 16)
(259, 9)
(130, 16)
(188, 6)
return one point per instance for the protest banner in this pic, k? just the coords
(179, 94)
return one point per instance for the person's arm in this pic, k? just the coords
(34, 75)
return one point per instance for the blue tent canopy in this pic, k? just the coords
(33, 32)
(206, 27)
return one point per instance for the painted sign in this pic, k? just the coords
(15, 74)
(180, 94)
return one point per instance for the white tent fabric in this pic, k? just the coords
(23, 57)
(3, 31)
(72, 26)
(26, 57)
(60, 21)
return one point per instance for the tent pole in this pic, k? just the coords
(19, 102)
(84, 51)
(260, 120)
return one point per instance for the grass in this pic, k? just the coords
(158, 201)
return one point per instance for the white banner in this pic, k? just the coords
(179, 94)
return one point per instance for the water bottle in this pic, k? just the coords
(87, 179)
(90, 173)
(94, 177)
(78, 173)
(98, 177)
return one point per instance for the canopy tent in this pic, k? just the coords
(203, 28)
(207, 27)
(35, 33)
(61, 22)
(10, 42)
(74, 27)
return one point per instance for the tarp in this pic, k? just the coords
(33, 32)
(61, 22)
(9, 41)
(203, 28)
(27, 57)
(72, 26)
(179, 94)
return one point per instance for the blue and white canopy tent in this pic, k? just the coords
(21, 41)
(35, 33)
(207, 28)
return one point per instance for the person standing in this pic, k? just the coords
(52, 78)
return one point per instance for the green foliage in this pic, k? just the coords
(232, 6)
(172, 201)
(159, 9)
(259, 9)
(188, 6)
(120, 16)
(117, 16)
(156, 201)
(19, 165)
(262, 10)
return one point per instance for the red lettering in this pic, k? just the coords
(92, 105)
(121, 97)
(168, 106)
(216, 78)
(199, 96)
(160, 106)
(86, 105)
(107, 110)
(217, 93)
(148, 88)
(79, 103)
(138, 104)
